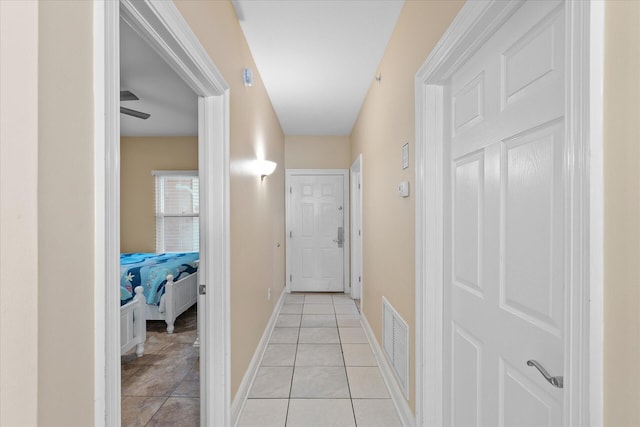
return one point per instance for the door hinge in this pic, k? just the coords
(290, 190)
(291, 278)
(359, 279)
(358, 186)
(202, 290)
(359, 232)
(291, 234)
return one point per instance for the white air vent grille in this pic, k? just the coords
(395, 342)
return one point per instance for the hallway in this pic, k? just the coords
(318, 370)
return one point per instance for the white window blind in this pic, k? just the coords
(177, 211)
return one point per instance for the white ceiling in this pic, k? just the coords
(163, 94)
(317, 58)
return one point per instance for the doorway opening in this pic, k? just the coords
(474, 26)
(317, 220)
(163, 28)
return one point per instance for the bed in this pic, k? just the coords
(168, 281)
(133, 325)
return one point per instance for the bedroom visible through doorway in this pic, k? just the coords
(159, 237)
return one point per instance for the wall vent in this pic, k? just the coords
(395, 344)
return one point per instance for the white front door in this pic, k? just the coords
(317, 232)
(505, 217)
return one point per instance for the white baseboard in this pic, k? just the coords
(404, 411)
(252, 370)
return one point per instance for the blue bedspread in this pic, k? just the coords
(150, 271)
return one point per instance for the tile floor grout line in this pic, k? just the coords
(346, 374)
(157, 410)
(293, 369)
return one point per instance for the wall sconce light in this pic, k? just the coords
(265, 168)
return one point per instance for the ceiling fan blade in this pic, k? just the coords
(134, 113)
(126, 95)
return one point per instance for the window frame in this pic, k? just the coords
(159, 215)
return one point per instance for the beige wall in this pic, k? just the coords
(622, 214)
(138, 157)
(66, 335)
(385, 123)
(18, 213)
(257, 207)
(317, 152)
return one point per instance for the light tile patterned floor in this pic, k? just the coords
(318, 370)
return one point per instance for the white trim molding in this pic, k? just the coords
(389, 377)
(250, 374)
(473, 26)
(166, 31)
(347, 219)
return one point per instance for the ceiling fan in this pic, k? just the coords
(125, 95)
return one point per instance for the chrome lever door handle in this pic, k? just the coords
(340, 239)
(554, 381)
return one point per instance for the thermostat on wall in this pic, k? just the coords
(403, 189)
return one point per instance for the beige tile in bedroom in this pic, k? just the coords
(180, 351)
(155, 380)
(194, 372)
(177, 412)
(127, 370)
(137, 411)
(187, 389)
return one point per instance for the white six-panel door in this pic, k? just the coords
(505, 225)
(316, 244)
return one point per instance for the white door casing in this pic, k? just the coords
(484, 178)
(162, 26)
(356, 228)
(318, 229)
(504, 225)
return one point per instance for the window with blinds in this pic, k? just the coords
(177, 211)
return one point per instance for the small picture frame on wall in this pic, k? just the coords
(405, 156)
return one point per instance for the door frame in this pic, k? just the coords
(289, 173)
(160, 24)
(356, 223)
(474, 24)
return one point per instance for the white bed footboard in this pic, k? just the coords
(133, 325)
(178, 297)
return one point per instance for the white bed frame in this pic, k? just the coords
(133, 324)
(178, 297)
